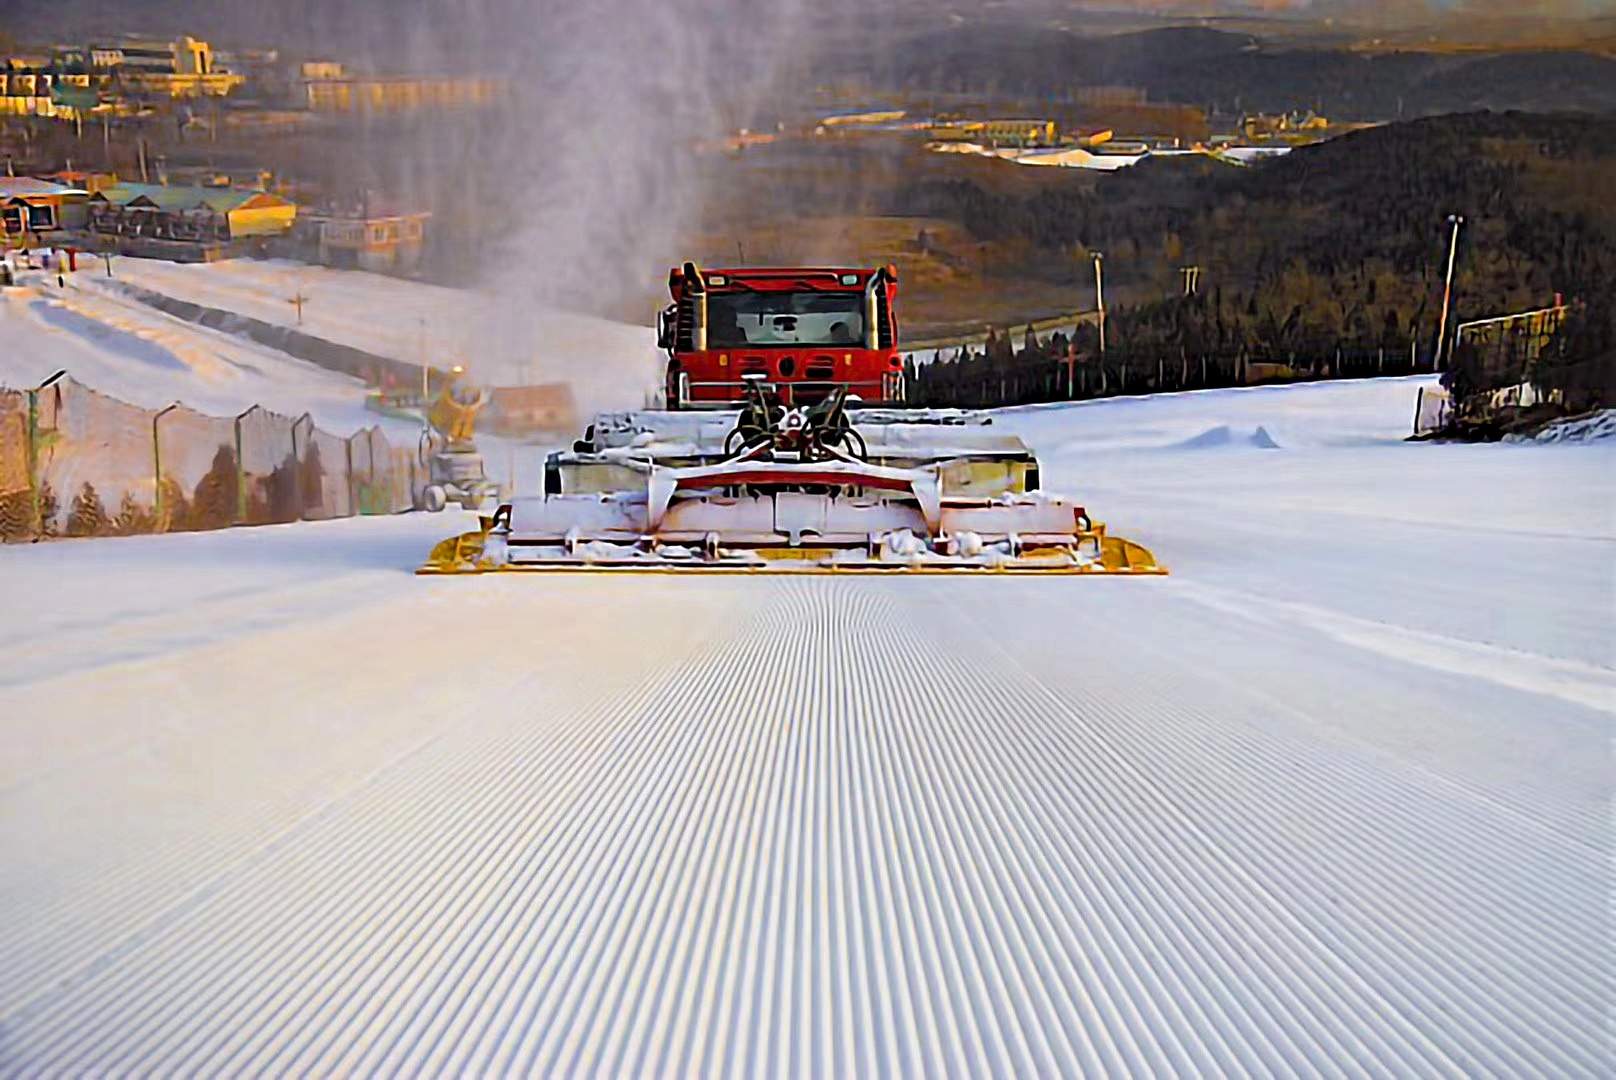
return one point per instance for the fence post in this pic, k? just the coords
(370, 455)
(297, 465)
(241, 469)
(157, 465)
(35, 484)
(347, 459)
(370, 449)
(32, 464)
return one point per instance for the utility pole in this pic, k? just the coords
(426, 389)
(1099, 296)
(1455, 220)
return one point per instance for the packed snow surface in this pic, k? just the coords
(1334, 798)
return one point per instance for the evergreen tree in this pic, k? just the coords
(87, 517)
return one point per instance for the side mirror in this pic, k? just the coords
(665, 326)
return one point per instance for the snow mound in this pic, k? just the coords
(1225, 436)
(1217, 436)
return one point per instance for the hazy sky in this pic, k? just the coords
(344, 20)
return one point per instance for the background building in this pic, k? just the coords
(397, 94)
(998, 132)
(183, 68)
(544, 408)
(187, 223)
(30, 208)
(370, 237)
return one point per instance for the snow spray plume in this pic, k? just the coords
(588, 159)
(570, 190)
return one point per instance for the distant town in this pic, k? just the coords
(133, 146)
(1115, 127)
(155, 147)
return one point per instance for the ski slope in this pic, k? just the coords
(1332, 799)
(130, 351)
(494, 329)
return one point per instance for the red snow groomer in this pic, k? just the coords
(791, 465)
(806, 331)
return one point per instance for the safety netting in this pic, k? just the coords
(196, 462)
(16, 492)
(94, 463)
(268, 491)
(322, 473)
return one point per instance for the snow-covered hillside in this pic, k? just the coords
(503, 339)
(132, 352)
(1333, 798)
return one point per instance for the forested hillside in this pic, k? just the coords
(1238, 72)
(1337, 246)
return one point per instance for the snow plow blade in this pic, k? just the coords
(792, 490)
(489, 550)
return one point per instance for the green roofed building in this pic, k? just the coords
(244, 213)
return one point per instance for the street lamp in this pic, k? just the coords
(1099, 295)
(1454, 220)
